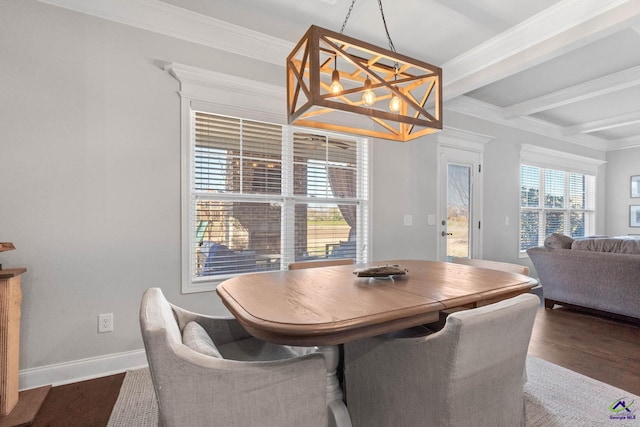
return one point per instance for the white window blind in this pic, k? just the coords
(554, 201)
(264, 195)
(326, 189)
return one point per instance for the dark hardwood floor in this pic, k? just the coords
(605, 349)
(82, 404)
(601, 348)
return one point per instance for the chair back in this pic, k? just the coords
(471, 373)
(320, 263)
(268, 386)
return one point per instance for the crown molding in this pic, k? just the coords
(221, 93)
(460, 138)
(183, 24)
(547, 157)
(624, 143)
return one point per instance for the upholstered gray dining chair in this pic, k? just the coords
(208, 371)
(471, 373)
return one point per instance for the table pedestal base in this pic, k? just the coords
(338, 413)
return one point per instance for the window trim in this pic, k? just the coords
(227, 95)
(545, 158)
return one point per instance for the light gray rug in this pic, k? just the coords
(555, 397)
(136, 404)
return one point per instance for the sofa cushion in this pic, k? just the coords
(558, 241)
(197, 339)
(616, 245)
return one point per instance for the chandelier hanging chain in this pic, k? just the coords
(386, 30)
(346, 18)
(384, 22)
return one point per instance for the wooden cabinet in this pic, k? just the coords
(16, 408)
(10, 299)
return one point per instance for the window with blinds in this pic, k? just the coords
(264, 195)
(554, 201)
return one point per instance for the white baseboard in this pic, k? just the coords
(83, 369)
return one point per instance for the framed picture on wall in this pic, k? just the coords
(635, 186)
(634, 216)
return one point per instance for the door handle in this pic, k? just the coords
(444, 233)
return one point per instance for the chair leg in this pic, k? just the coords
(549, 303)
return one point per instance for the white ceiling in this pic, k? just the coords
(568, 69)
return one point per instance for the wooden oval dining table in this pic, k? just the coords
(329, 306)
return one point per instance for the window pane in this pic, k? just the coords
(262, 155)
(236, 237)
(216, 141)
(236, 156)
(577, 220)
(325, 231)
(324, 166)
(554, 222)
(553, 189)
(577, 191)
(458, 208)
(530, 186)
(529, 229)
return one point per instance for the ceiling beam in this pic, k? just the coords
(559, 29)
(492, 113)
(604, 124)
(623, 143)
(591, 89)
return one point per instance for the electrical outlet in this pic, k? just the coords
(105, 322)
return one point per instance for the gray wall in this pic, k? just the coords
(90, 177)
(622, 165)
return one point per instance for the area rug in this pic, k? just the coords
(557, 397)
(136, 405)
(554, 396)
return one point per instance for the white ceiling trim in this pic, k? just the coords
(221, 93)
(604, 124)
(624, 143)
(547, 157)
(460, 138)
(173, 21)
(591, 89)
(554, 31)
(492, 113)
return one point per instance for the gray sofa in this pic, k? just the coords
(597, 273)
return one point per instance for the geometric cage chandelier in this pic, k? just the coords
(331, 77)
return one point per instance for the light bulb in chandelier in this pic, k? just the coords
(395, 104)
(368, 97)
(335, 87)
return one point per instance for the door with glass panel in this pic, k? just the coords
(459, 216)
